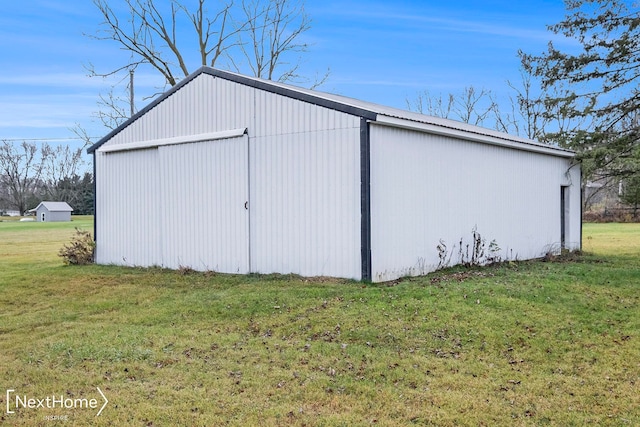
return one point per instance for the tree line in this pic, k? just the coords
(31, 172)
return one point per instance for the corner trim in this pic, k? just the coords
(581, 206)
(95, 207)
(365, 200)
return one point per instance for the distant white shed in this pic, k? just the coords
(258, 176)
(52, 212)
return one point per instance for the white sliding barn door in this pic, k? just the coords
(204, 206)
(127, 232)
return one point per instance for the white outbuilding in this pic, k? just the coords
(52, 212)
(240, 175)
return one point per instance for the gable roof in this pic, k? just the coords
(380, 114)
(54, 207)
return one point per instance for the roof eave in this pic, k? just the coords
(504, 140)
(365, 111)
(247, 81)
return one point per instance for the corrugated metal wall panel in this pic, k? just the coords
(206, 104)
(304, 189)
(304, 181)
(175, 206)
(278, 115)
(205, 223)
(305, 203)
(209, 104)
(128, 227)
(425, 188)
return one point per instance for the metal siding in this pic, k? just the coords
(206, 104)
(304, 188)
(128, 209)
(204, 220)
(59, 216)
(304, 182)
(39, 214)
(305, 203)
(427, 187)
(279, 115)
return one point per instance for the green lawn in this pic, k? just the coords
(531, 343)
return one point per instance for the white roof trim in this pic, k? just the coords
(154, 143)
(503, 141)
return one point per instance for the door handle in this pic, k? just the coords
(246, 205)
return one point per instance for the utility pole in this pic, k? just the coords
(131, 101)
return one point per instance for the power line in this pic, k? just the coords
(47, 139)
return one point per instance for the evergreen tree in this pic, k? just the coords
(631, 192)
(598, 83)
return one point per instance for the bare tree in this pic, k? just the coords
(531, 116)
(470, 106)
(272, 30)
(22, 166)
(82, 134)
(217, 29)
(475, 106)
(259, 37)
(29, 174)
(426, 103)
(150, 35)
(525, 112)
(60, 164)
(112, 111)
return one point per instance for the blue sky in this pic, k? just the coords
(379, 51)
